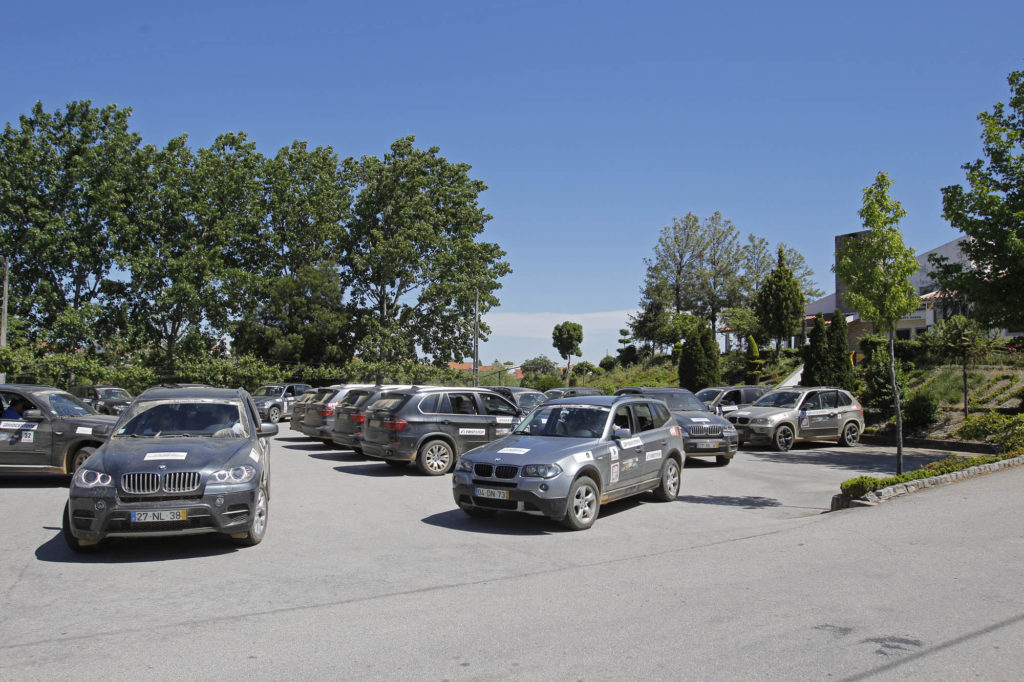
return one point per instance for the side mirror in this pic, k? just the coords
(621, 434)
(32, 415)
(103, 430)
(267, 429)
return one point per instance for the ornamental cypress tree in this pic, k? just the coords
(816, 368)
(753, 363)
(779, 303)
(698, 363)
(713, 376)
(839, 360)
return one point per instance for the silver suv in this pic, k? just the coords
(787, 415)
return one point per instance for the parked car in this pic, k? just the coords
(350, 415)
(300, 405)
(103, 399)
(54, 433)
(570, 456)
(525, 398)
(725, 399)
(179, 462)
(705, 434)
(275, 401)
(318, 420)
(434, 425)
(569, 391)
(787, 415)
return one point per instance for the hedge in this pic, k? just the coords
(858, 487)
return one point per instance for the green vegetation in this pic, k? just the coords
(858, 487)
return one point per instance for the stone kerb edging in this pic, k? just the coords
(872, 498)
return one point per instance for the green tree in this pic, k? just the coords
(990, 213)
(961, 340)
(68, 186)
(608, 363)
(839, 359)
(566, 338)
(743, 322)
(583, 370)
(541, 364)
(753, 363)
(698, 361)
(816, 366)
(779, 303)
(415, 264)
(876, 267)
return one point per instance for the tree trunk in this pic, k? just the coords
(965, 390)
(896, 398)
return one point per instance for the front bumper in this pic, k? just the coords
(524, 495)
(102, 515)
(724, 446)
(755, 433)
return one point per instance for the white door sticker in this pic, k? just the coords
(84, 429)
(472, 432)
(28, 436)
(583, 456)
(503, 420)
(513, 451)
(653, 454)
(166, 455)
(631, 443)
(614, 451)
(615, 472)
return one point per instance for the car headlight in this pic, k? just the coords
(729, 430)
(761, 421)
(87, 478)
(239, 474)
(464, 465)
(541, 470)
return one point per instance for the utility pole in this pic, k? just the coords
(3, 318)
(476, 341)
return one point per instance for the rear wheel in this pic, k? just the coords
(584, 504)
(78, 457)
(850, 435)
(435, 457)
(782, 439)
(670, 478)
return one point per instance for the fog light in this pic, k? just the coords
(219, 502)
(100, 505)
(543, 487)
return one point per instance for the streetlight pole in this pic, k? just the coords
(476, 341)
(3, 318)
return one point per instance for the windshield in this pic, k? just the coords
(528, 401)
(115, 394)
(779, 399)
(678, 401)
(708, 395)
(67, 405)
(160, 418)
(565, 421)
(264, 391)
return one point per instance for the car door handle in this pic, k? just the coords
(445, 422)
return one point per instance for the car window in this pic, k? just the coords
(115, 394)
(644, 416)
(751, 394)
(565, 421)
(844, 398)
(812, 402)
(681, 401)
(67, 405)
(779, 399)
(622, 419)
(829, 400)
(429, 403)
(289, 392)
(167, 418)
(708, 395)
(528, 401)
(389, 401)
(661, 414)
(732, 397)
(494, 404)
(353, 398)
(267, 391)
(462, 403)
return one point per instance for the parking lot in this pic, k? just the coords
(371, 572)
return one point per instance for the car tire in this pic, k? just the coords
(260, 515)
(274, 414)
(671, 479)
(782, 439)
(850, 435)
(74, 544)
(477, 512)
(583, 504)
(722, 460)
(435, 457)
(328, 442)
(396, 463)
(78, 457)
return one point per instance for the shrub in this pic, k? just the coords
(921, 410)
(858, 487)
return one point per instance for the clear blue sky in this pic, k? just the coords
(592, 122)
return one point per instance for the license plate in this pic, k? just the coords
(375, 422)
(492, 494)
(156, 516)
(706, 444)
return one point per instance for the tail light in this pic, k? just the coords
(328, 410)
(358, 417)
(394, 423)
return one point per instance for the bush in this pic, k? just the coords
(858, 487)
(1004, 431)
(921, 410)
(877, 385)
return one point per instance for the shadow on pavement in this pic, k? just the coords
(378, 469)
(859, 459)
(518, 523)
(35, 481)
(744, 502)
(141, 550)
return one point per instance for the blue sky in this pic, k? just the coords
(593, 123)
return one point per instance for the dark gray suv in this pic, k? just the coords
(434, 425)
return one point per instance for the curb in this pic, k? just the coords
(872, 499)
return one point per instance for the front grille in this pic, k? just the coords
(485, 470)
(181, 481)
(705, 429)
(740, 420)
(506, 471)
(140, 484)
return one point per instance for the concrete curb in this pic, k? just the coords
(872, 499)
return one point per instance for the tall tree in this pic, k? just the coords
(876, 268)
(416, 265)
(961, 340)
(566, 338)
(758, 262)
(698, 360)
(779, 303)
(839, 360)
(991, 214)
(816, 367)
(719, 281)
(68, 184)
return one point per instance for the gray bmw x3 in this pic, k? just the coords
(570, 456)
(179, 462)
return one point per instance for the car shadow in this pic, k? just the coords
(136, 550)
(746, 502)
(852, 459)
(337, 456)
(378, 469)
(35, 481)
(517, 523)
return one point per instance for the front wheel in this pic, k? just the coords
(274, 414)
(260, 514)
(782, 440)
(584, 504)
(435, 457)
(722, 460)
(670, 477)
(78, 457)
(850, 435)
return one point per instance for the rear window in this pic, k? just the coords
(429, 404)
(355, 397)
(389, 401)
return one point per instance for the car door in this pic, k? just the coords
(503, 415)
(464, 420)
(731, 401)
(653, 436)
(626, 455)
(811, 415)
(827, 425)
(287, 400)
(25, 442)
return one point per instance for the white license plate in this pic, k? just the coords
(492, 494)
(374, 423)
(155, 516)
(706, 444)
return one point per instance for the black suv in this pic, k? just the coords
(525, 398)
(434, 425)
(275, 401)
(103, 399)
